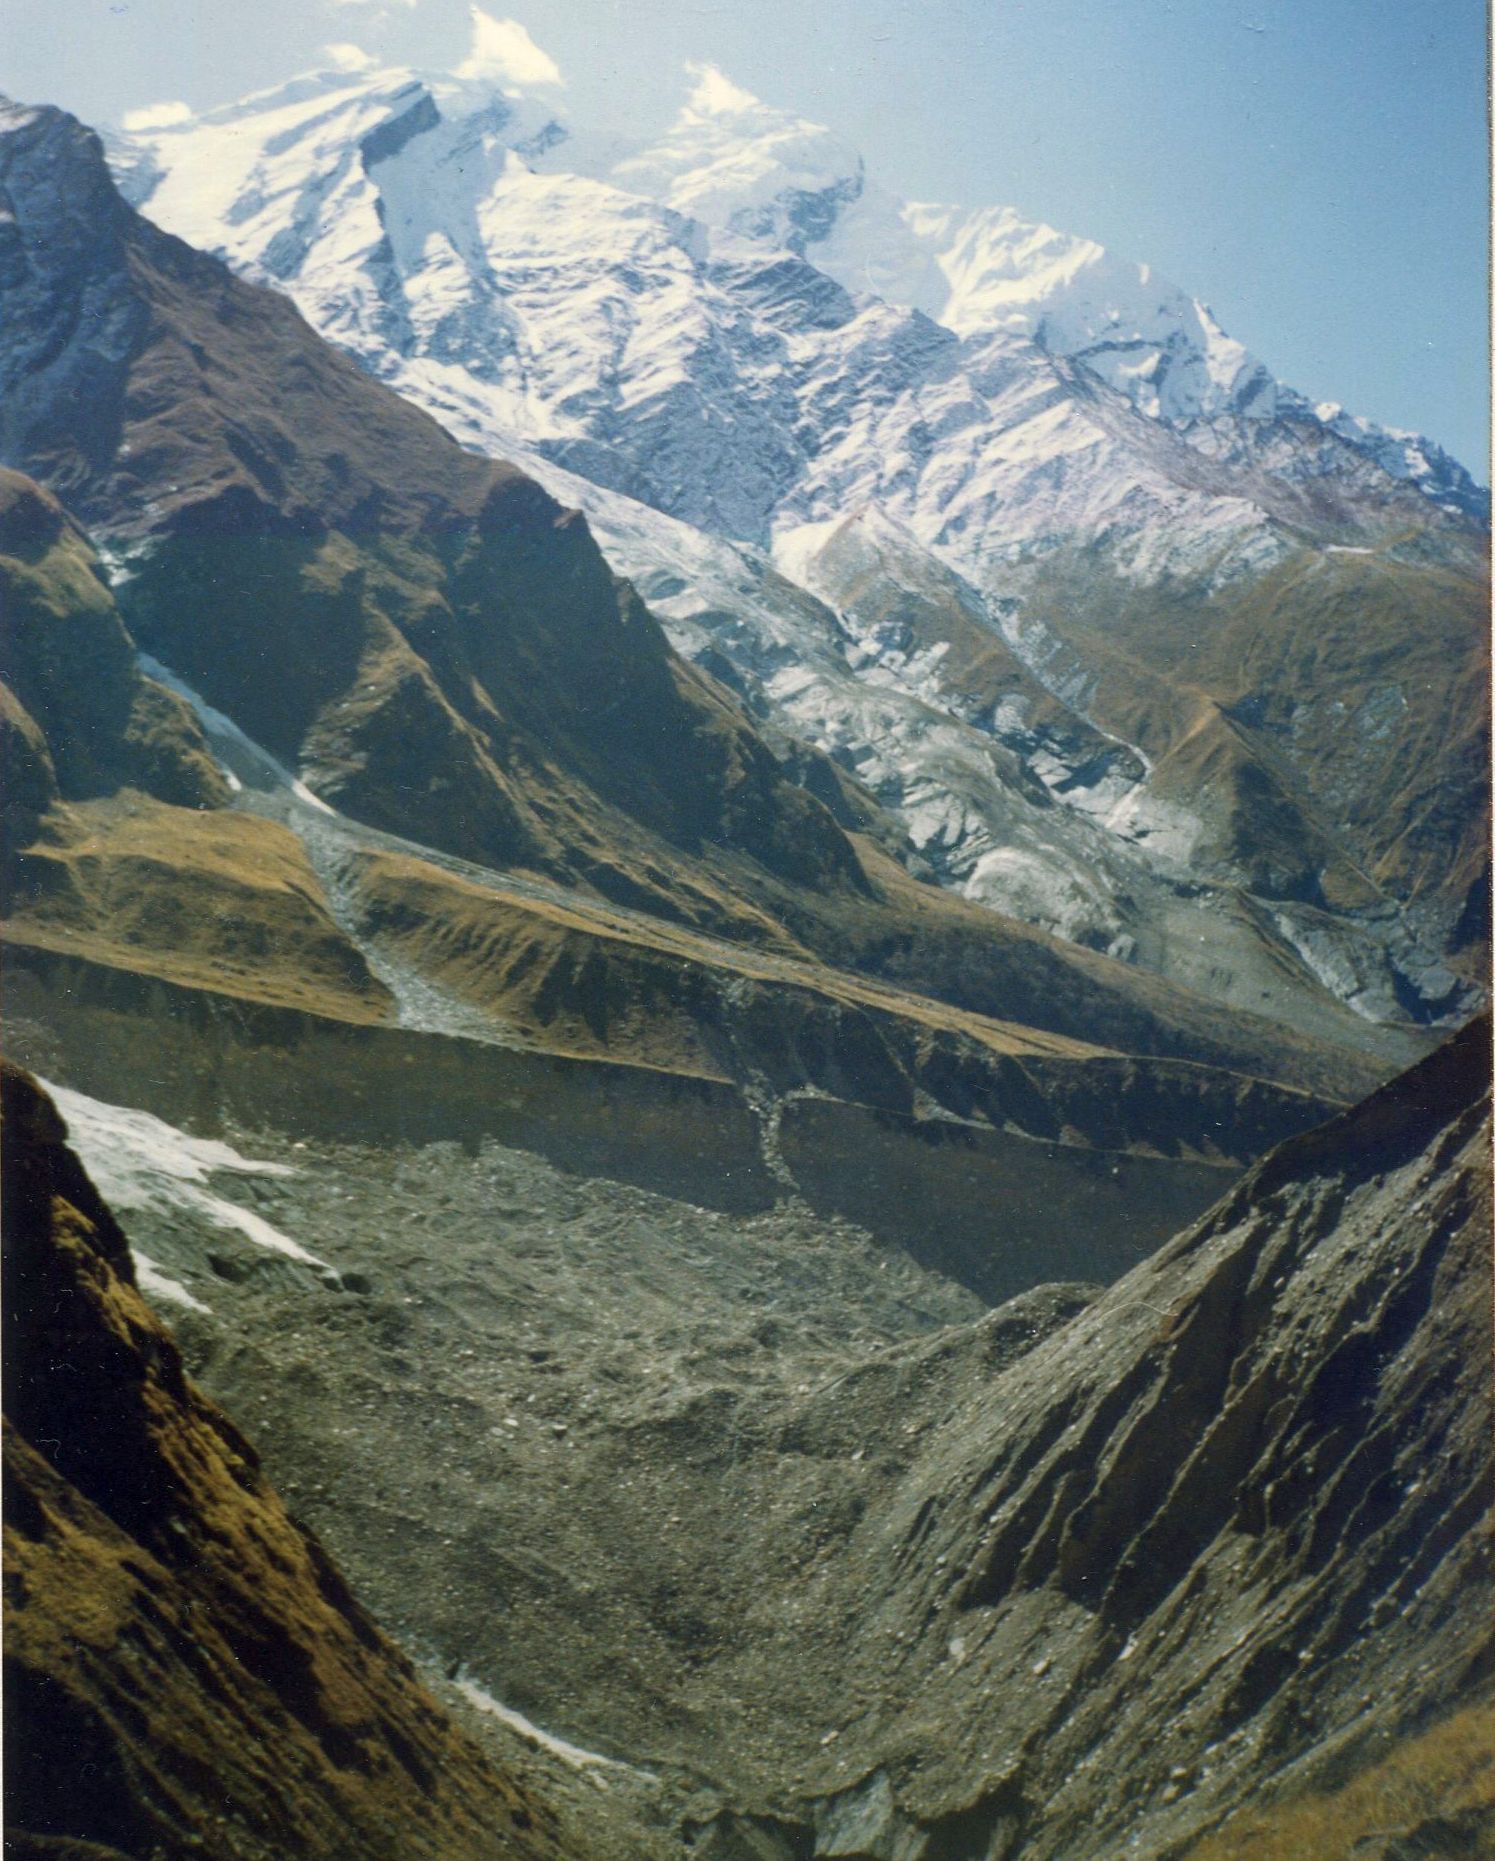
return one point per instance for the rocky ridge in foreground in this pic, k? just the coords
(186, 1670)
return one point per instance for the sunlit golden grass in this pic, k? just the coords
(1442, 1774)
(211, 899)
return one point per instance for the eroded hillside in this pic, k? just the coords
(185, 1666)
(767, 1509)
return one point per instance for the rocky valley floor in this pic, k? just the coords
(691, 1515)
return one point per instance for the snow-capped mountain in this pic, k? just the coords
(446, 223)
(729, 343)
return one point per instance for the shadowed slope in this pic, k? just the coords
(181, 1656)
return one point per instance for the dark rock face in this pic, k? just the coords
(81, 717)
(181, 1656)
(71, 318)
(1227, 1533)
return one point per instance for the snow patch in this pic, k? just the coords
(574, 1755)
(158, 1285)
(241, 759)
(346, 56)
(138, 1161)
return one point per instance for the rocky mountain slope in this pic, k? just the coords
(832, 436)
(300, 958)
(821, 1558)
(186, 1670)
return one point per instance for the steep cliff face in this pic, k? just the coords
(186, 1669)
(82, 720)
(1223, 1538)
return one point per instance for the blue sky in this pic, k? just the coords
(1316, 170)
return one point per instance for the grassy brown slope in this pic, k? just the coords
(578, 979)
(221, 901)
(1393, 742)
(1430, 1798)
(599, 981)
(181, 1656)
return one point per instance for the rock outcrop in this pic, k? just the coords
(1222, 1540)
(187, 1672)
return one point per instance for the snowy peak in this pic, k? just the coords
(341, 181)
(282, 157)
(733, 161)
(554, 293)
(988, 270)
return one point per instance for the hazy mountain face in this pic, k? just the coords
(1138, 644)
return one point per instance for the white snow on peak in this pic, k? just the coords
(502, 52)
(734, 325)
(990, 269)
(733, 161)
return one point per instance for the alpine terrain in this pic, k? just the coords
(1137, 644)
(757, 914)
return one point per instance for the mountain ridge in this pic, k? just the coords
(1088, 436)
